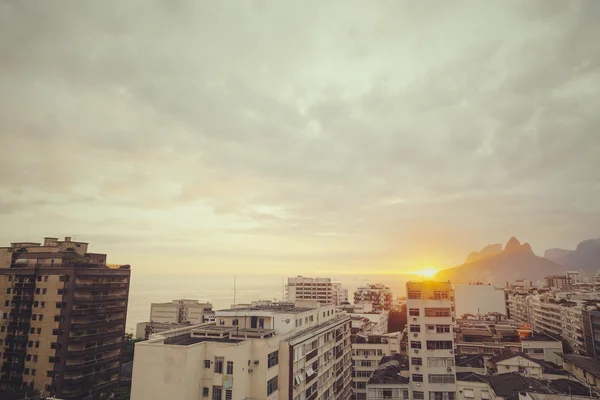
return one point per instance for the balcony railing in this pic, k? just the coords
(97, 336)
(98, 311)
(97, 298)
(312, 354)
(100, 286)
(98, 361)
(84, 377)
(95, 349)
(97, 323)
(78, 391)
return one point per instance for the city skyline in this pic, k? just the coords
(201, 136)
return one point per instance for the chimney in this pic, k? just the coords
(67, 238)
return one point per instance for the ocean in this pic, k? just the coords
(219, 290)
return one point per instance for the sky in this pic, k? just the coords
(299, 137)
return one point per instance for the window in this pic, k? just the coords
(39, 279)
(272, 385)
(439, 294)
(443, 395)
(485, 394)
(415, 345)
(217, 393)
(49, 374)
(414, 294)
(6, 303)
(229, 367)
(434, 378)
(33, 372)
(205, 391)
(236, 322)
(439, 345)
(8, 291)
(44, 289)
(33, 317)
(387, 393)
(416, 361)
(36, 303)
(219, 366)
(37, 344)
(437, 312)
(417, 377)
(35, 358)
(26, 371)
(39, 331)
(442, 328)
(60, 291)
(418, 395)
(40, 317)
(45, 280)
(228, 394)
(413, 312)
(207, 364)
(28, 358)
(365, 363)
(30, 344)
(440, 361)
(415, 328)
(42, 304)
(273, 359)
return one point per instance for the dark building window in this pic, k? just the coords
(205, 391)
(272, 385)
(417, 378)
(207, 365)
(273, 359)
(219, 365)
(230, 367)
(217, 393)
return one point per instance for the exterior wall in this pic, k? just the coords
(378, 294)
(166, 313)
(479, 299)
(543, 350)
(365, 360)
(522, 365)
(320, 289)
(468, 390)
(422, 297)
(581, 374)
(388, 391)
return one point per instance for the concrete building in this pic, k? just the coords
(479, 299)
(320, 289)
(431, 339)
(175, 314)
(379, 295)
(63, 321)
(269, 351)
(367, 352)
(585, 369)
(591, 332)
(557, 281)
(387, 381)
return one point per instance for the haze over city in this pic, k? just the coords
(313, 137)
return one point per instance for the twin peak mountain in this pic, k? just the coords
(513, 246)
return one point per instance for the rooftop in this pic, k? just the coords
(388, 371)
(471, 377)
(587, 364)
(186, 340)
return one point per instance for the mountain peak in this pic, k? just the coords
(513, 245)
(527, 247)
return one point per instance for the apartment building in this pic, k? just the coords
(387, 381)
(479, 299)
(591, 332)
(367, 352)
(63, 321)
(431, 339)
(379, 295)
(296, 351)
(177, 313)
(519, 305)
(320, 289)
(557, 281)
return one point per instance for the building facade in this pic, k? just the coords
(320, 289)
(296, 351)
(591, 333)
(387, 381)
(63, 322)
(431, 340)
(367, 352)
(379, 295)
(479, 299)
(177, 313)
(557, 281)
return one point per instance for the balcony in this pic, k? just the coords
(312, 354)
(339, 337)
(85, 377)
(16, 338)
(98, 311)
(100, 298)
(97, 336)
(95, 349)
(25, 286)
(98, 361)
(100, 286)
(313, 396)
(79, 391)
(97, 323)
(338, 354)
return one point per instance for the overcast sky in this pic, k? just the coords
(300, 136)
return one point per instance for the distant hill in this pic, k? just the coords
(585, 257)
(516, 261)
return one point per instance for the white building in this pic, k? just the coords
(479, 299)
(367, 352)
(431, 339)
(320, 289)
(272, 351)
(378, 294)
(177, 313)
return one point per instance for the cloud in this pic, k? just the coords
(388, 131)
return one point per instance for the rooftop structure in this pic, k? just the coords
(322, 290)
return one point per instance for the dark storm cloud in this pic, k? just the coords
(291, 120)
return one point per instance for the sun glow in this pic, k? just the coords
(426, 272)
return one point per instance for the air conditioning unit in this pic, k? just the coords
(451, 351)
(256, 362)
(417, 368)
(414, 319)
(415, 334)
(249, 370)
(416, 351)
(449, 369)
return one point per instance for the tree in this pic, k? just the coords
(397, 320)
(19, 394)
(130, 347)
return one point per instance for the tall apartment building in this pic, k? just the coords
(431, 339)
(519, 306)
(557, 281)
(298, 351)
(367, 352)
(177, 313)
(320, 289)
(378, 294)
(591, 332)
(63, 321)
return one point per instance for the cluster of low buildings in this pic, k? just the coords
(62, 332)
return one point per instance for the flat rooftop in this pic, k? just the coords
(187, 340)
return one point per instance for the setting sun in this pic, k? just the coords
(426, 272)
